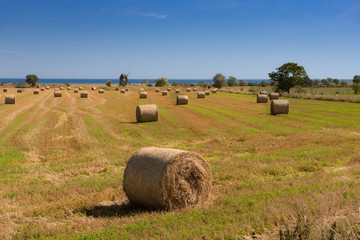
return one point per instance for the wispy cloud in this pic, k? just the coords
(154, 15)
(145, 14)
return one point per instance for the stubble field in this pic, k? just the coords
(62, 162)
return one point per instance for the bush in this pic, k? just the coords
(219, 80)
(356, 88)
(243, 83)
(160, 82)
(108, 83)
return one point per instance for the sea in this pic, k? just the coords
(134, 81)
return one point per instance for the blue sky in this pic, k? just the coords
(178, 39)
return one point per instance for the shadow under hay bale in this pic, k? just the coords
(274, 96)
(261, 98)
(9, 99)
(165, 178)
(147, 113)
(143, 94)
(182, 100)
(200, 95)
(279, 107)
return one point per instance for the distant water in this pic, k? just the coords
(100, 81)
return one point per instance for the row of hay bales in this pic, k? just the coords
(276, 106)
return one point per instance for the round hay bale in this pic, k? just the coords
(213, 91)
(5, 90)
(117, 89)
(194, 89)
(169, 89)
(42, 89)
(182, 100)
(141, 89)
(93, 88)
(143, 95)
(274, 96)
(126, 89)
(9, 99)
(164, 93)
(207, 92)
(262, 98)
(84, 95)
(188, 90)
(279, 107)
(68, 88)
(80, 88)
(61, 88)
(47, 87)
(57, 94)
(157, 90)
(76, 91)
(19, 91)
(122, 91)
(200, 95)
(177, 90)
(36, 91)
(101, 90)
(166, 178)
(263, 92)
(147, 113)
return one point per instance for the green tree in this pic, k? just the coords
(263, 83)
(219, 80)
(108, 83)
(356, 79)
(326, 82)
(308, 82)
(336, 81)
(343, 83)
(243, 83)
(356, 87)
(316, 82)
(287, 76)
(31, 79)
(232, 81)
(145, 81)
(160, 82)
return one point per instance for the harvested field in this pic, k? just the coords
(62, 162)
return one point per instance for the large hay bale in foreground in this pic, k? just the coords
(166, 178)
(122, 91)
(262, 98)
(143, 95)
(157, 90)
(164, 93)
(76, 91)
(188, 90)
(274, 96)
(279, 107)
(9, 99)
(207, 92)
(57, 94)
(182, 100)
(36, 91)
(101, 90)
(5, 90)
(19, 91)
(200, 95)
(147, 113)
(84, 95)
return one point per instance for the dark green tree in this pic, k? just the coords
(219, 80)
(232, 81)
(31, 79)
(356, 79)
(243, 83)
(108, 83)
(343, 83)
(160, 82)
(145, 81)
(288, 76)
(308, 82)
(326, 82)
(356, 88)
(263, 83)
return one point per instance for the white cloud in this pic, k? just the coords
(154, 15)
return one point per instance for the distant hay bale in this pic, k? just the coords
(80, 88)
(274, 96)
(207, 92)
(68, 88)
(177, 90)
(188, 90)
(84, 95)
(19, 91)
(213, 91)
(47, 87)
(141, 89)
(122, 91)
(61, 88)
(101, 90)
(42, 89)
(147, 113)
(169, 89)
(182, 100)
(9, 99)
(157, 90)
(36, 91)
(57, 94)
(126, 89)
(263, 92)
(165, 178)
(93, 88)
(76, 91)
(279, 107)
(262, 98)
(194, 89)
(164, 93)
(143, 95)
(5, 90)
(201, 95)
(117, 89)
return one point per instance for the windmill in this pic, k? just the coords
(124, 79)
